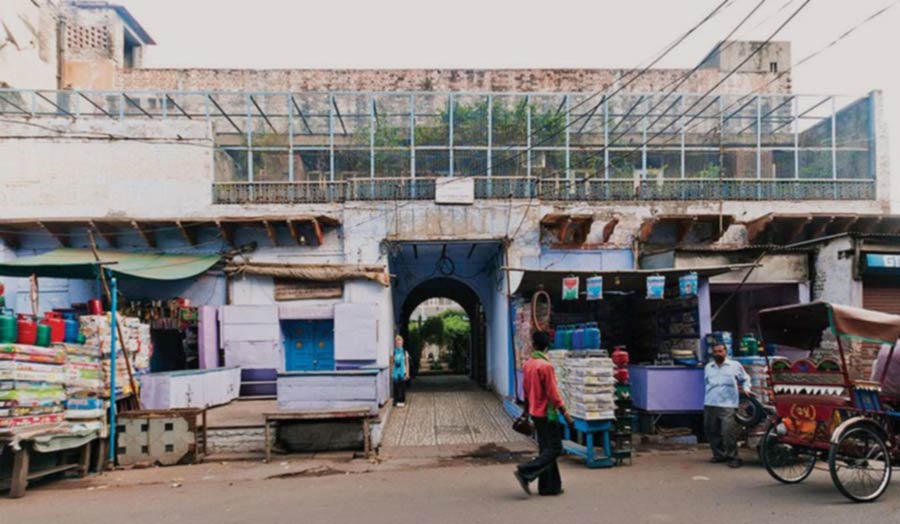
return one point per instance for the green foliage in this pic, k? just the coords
(451, 330)
(470, 127)
(457, 337)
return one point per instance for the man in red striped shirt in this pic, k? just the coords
(544, 404)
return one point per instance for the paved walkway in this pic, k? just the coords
(449, 410)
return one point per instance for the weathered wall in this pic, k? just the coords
(161, 169)
(441, 80)
(834, 274)
(733, 53)
(94, 47)
(28, 44)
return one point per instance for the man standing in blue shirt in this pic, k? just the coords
(722, 377)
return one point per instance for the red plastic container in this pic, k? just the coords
(57, 326)
(27, 329)
(621, 375)
(620, 357)
(95, 306)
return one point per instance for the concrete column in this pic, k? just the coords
(881, 145)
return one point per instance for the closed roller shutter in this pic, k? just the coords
(882, 294)
(879, 294)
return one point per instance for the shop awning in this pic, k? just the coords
(621, 280)
(801, 326)
(313, 272)
(81, 263)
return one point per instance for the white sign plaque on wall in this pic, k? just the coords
(454, 190)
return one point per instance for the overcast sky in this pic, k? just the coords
(521, 33)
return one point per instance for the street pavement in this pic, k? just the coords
(658, 488)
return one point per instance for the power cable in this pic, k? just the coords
(721, 81)
(746, 97)
(708, 92)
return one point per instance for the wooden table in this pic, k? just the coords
(22, 473)
(295, 416)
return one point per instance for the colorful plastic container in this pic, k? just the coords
(26, 329)
(7, 326)
(591, 336)
(43, 334)
(57, 326)
(71, 332)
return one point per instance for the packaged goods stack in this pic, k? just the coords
(32, 385)
(621, 436)
(586, 383)
(84, 387)
(135, 344)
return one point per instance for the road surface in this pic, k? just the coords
(675, 488)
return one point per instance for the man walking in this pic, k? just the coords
(544, 404)
(722, 377)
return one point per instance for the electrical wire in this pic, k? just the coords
(702, 97)
(806, 59)
(710, 90)
(746, 97)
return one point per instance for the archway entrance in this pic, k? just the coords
(461, 409)
(473, 352)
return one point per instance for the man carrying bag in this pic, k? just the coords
(544, 405)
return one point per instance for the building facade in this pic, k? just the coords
(452, 183)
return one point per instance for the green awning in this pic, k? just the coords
(81, 263)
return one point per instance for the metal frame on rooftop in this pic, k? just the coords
(284, 147)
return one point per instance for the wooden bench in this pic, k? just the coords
(363, 415)
(22, 473)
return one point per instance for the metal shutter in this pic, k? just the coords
(882, 294)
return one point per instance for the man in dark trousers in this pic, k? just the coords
(722, 377)
(545, 406)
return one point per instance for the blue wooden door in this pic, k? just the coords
(308, 345)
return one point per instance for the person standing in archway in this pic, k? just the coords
(399, 372)
(545, 406)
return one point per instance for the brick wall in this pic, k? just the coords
(439, 80)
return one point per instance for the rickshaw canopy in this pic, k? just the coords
(801, 325)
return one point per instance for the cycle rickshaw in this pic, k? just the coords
(821, 413)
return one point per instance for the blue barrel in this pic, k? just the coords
(591, 336)
(578, 337)
(71, 335)
(559, 337)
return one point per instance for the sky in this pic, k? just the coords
(524, 33)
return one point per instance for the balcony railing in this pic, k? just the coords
(566, 190)
(278, 192)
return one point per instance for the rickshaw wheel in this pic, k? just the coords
(785, 462)
(860, 464)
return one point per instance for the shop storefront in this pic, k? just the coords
(658, 317)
